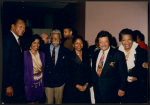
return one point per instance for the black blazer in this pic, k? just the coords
(113, 76)
(138, 71)
(54, 75)
(79, 72)
(12, 63)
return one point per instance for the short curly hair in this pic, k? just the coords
(125, 31)
(104, 34)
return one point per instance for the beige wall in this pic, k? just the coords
(114, 16)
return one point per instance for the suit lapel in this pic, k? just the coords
(48, 51)
(59, 54)
(95, 59)
(15, 42)
(108, 59)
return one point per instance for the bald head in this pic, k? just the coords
(45, 38)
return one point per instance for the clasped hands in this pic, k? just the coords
(9, 91)
(82, 88)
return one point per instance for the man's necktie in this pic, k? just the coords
(100, 65)
(53, 56)
(19, 41)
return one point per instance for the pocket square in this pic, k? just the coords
(63, 57)
(112, 64)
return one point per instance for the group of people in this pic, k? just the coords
(63, 71)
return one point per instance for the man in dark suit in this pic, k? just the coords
(13, 83)
(54, 74)
(109, 71)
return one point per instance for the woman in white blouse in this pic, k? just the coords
(135, 58)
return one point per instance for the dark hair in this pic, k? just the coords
(32, 39)
(125, 31)
(74, 31)
(15, 20)
(139, 34)
(104, 34)
(114, 42)
(77, 37)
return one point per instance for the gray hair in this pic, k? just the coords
(56, 31)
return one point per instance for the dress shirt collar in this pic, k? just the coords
(106, 51)
(16, 36)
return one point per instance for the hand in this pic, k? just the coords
(80, 88)
(145, 65)
(85, 86)
(9, 91)
(134, 79)
(121, 93)
(131, 79)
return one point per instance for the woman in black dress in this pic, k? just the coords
(78, 75)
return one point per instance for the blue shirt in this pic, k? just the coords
(56, 51)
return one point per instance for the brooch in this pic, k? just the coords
(112, 64)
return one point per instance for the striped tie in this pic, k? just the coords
(100, 65)
(53, 56)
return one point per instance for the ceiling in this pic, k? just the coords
(41, 3)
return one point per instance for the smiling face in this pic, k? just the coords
(78, 45)
(103, 43)
(55, 39)
(35, 45)
(19, 27)
(127, 41)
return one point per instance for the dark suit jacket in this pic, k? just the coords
(141, 56)
(139, 88)
(112, 78)
(54, 75)
(78, 72)
(12, 65)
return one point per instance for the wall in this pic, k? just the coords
(40, 31)
(113, 16)
(80, 18)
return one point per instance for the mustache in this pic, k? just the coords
(55, 42)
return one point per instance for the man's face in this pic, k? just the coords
(19, 27)
(55, 39)
(67, 33)
(103, 43)
(45, 38)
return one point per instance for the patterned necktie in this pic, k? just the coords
(100, 65)
(53, 56)
(19, 41)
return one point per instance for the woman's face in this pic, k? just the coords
(35, 45)
(78, 44)
(127, 41)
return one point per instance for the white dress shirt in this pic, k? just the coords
(56, 51)
(16, 37)
(99, 56)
